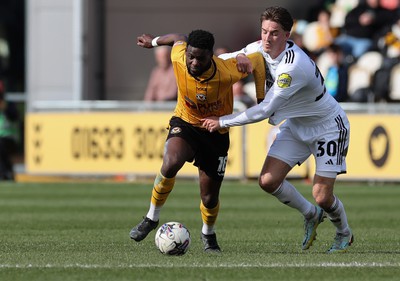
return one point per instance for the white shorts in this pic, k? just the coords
(328, 141)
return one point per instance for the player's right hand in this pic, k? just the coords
(211, 123)
(144, 41)
(243, 64)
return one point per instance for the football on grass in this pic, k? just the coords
(173, 238)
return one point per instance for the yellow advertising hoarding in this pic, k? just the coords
(374, 147)
(109, 143)
(133, 143)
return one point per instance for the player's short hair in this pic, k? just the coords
(201, 39)
(279, 15)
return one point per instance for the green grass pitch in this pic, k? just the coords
(80, 231)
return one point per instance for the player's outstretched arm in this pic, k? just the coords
(149, 41)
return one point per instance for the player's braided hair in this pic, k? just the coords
(201, 39)
(279, 15)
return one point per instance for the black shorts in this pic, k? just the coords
(211, 149)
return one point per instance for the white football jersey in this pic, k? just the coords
(295, 90)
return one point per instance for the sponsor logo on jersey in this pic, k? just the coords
(284, 80)
(208, 108)
(189, 103)
(176, 130)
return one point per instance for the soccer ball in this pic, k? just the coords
(173, 238)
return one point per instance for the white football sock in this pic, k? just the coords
(288, 194)
(207, 229)
(154, 212)
(338, 217)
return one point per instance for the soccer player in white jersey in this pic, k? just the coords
(314, 123)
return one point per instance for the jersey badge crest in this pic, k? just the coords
(201, 97)
(284, 80)
(176, 130)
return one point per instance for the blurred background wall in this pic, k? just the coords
(86, 50)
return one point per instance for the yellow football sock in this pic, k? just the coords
(209, 216)
(162, 187)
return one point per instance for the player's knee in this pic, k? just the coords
(171, 165)
(209, 200)
(267, 183)
(323, 192)
(324, 200)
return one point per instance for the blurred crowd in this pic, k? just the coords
(356, 45)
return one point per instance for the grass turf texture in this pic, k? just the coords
(80, 231)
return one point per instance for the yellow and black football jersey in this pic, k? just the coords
(211, 93)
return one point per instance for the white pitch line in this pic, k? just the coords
(240, 265)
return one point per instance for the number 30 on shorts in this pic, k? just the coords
(329, 148)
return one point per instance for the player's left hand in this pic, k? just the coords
(211, 123)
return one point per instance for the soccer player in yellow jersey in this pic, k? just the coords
(204, 89)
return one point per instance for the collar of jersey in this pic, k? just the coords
(281, 55)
